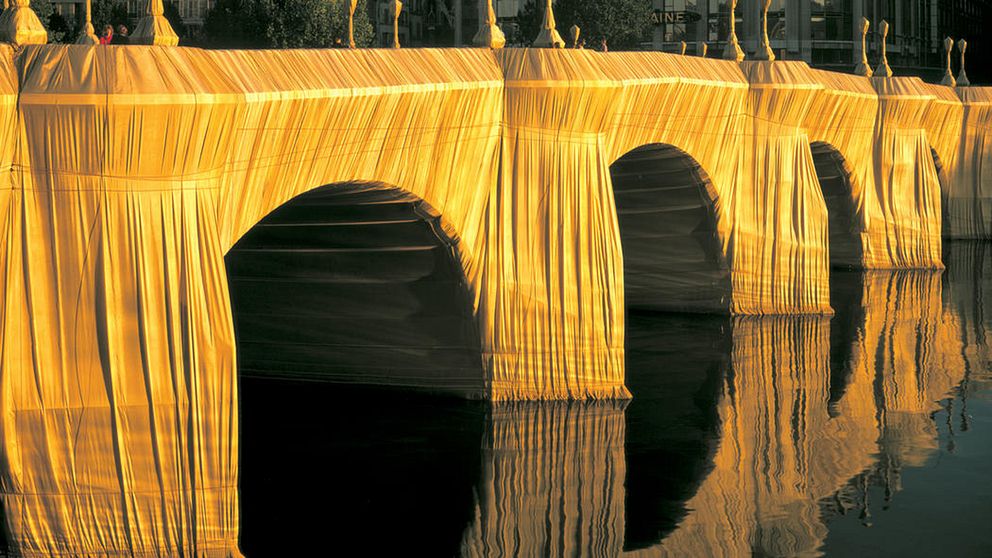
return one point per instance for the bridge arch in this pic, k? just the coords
(673, 255)
(834, 175)
(942, 181)
(356, 282)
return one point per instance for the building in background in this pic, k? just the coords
(193, 12)
(446, 23)
(825, 33)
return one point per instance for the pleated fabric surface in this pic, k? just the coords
(135, 170)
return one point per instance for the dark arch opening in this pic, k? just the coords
(357, 283)
(944, 205)
(835, 182)
(673, 262)
(672, 255)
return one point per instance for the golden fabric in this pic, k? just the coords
(905, 176)
(513, 149)
(135, 170)
(968, 205)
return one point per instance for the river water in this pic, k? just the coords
(868, 432)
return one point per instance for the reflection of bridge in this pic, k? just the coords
(468, 208)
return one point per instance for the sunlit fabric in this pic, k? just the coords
(134, 171)
(512, 148)
(969, 197)
(905, 177)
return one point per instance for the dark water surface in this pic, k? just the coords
(865, 433)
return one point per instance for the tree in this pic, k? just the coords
(104, 12)
(284, 24)
(171, 13)
(109, 12)
(623, 23)
(237, 24)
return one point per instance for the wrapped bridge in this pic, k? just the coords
(462, 221)
(459, 221)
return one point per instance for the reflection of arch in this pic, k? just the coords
(834, 175)
(666, 208)
(676, 367)
(356, 283)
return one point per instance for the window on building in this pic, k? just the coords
(831, 20)
(776, 20)
(718, 21)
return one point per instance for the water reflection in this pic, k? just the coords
(746, 436)
(803, 417)
(552, 481)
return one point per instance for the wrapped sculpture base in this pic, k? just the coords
(20, 25)
(154, 30)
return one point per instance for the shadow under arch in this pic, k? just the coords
(945, 216)
(834, 175)
(672, 254)
(358, 283)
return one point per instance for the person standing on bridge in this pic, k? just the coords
(120, 38)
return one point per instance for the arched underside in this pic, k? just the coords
(355, 283)
(835, 182)
(673, 257)
(945, 217)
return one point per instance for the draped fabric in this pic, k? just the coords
(134, 170)
(968, 206)
(906, 182)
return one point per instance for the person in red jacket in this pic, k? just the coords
(108, 35)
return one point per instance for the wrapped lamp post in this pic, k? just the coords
(863, 68)
(154, 28)
(765, 49)
(733, 49)
(20, 25)
(549, 37)
(962, 77)
(351, 22)
(948, 79)
(489, 35)
(396, 8)
(88, 36)
(883, 68)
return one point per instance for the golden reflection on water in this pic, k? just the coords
(802, 416)
(552, 481)
(553, 478)
(783, 449)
